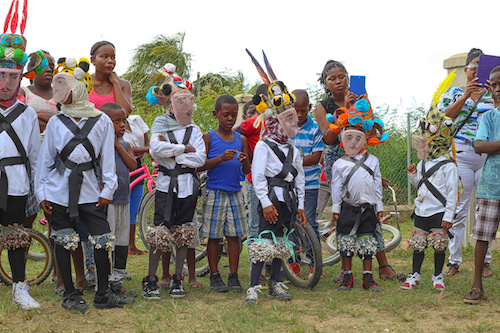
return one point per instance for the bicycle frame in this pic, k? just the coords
(146, 175)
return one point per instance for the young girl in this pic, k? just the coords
(108, 87)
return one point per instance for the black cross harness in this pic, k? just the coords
(357, 164)
(174, 174)
(62, 161)
(279, 179)
(428, 174)
(6, 125)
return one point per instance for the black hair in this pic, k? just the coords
(262, 89)
(301, 94)
(473, 54)
(322, 78)
(247, 106)
(495, 70)
(97, 45)
(224, 99)
(106, 108)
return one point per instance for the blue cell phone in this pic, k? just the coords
(486, 64)
(357, 84)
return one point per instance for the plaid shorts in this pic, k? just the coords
(224, 214)
(32, 207)
(487, 218)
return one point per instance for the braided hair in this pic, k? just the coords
(322, 78)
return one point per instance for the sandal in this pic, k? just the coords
(395, 277)
(195, 285)
(59, 291)
(164, 284)
(451, 269)
(90, 286)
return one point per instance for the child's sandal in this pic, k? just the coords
(394, 277)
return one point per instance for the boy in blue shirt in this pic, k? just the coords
(224, 203)
(488, 190)
(309, 141)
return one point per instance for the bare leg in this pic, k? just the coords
(347, 263)
(480, 253)
(233, 245)
(367, 265)
(131, 244)
(213, 254)
(165, 264)
(78, 263)
(191, 263)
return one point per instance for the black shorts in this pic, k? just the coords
(182, 209)
(428, 223)
(16, 210)
(284, 220)
(93, 218)
(348, 216)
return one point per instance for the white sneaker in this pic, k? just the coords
(438, 282)
(412, 280)
(252, 295)
(22, 297)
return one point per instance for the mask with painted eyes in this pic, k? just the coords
(182, 107)
(353, 141)
(289, 122)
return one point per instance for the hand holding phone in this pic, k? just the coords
(357, 84)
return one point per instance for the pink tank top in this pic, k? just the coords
(100, 100)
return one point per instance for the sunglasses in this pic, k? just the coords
(471, 67)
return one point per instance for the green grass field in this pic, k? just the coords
(322, 309)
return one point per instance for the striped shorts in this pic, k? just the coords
(487, 219)
(224, 214)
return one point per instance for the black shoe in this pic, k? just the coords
(176, 288)
(217, 284)
(150, 287)
(111, 300)
(75, 302)
(277, 290)
(369, 283)
(118, 288)
(233, 283)
(347, 281)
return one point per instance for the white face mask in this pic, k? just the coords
(421, 145)
(62, 84)
(289, 122)
(353, 141)
(182, 106)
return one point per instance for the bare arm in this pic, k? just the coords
(470, 88)
(324, 126)
(245, 162)
(126, 155)
(312, 159)
(488, 147)
(123, 92)
(227, 155)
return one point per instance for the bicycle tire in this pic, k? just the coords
(302, 236)
(37, 271)
(392, 238)
(323, 219)
(146, 221)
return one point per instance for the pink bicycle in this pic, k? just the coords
(146, 175)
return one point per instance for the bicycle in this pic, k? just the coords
(39, 260)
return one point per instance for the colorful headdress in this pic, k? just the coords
(12, 46)
(80, 70)
(359, 115)
(436, 129)
(172, 84)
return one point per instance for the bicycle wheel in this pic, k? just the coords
(392, 238)
(36, 270)
(324, 219)
(307, 252)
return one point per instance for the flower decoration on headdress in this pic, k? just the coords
(80, 70)
(359, 115)
(12, 46)
(36, 64)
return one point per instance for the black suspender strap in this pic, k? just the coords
(6, 125)
(428, 174)
(62, 160)
(174, 174)
(279, 179)
(357, 164)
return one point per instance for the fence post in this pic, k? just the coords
(408, 154)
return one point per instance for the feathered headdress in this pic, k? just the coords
(359, 115)
(80, 70)
(12, 46)
(279, 98)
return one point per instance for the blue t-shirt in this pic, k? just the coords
(309, 140)
(489, 183)
(225, 175)
(122, 172)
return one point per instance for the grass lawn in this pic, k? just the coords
(323, 309)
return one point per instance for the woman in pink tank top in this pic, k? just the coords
(108, 87)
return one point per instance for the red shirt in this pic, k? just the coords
(251, 133)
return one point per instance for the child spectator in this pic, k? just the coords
(119, 209)
(20, 143)
(357, 191)
(437, 182)
(68, 189)
(178, 147)
(224, 203)
(488, 190)
(309, 141)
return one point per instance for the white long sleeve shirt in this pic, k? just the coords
(266, 164)
(446, 181)
(168, 154)
(54, 187)
(28, 131)
(363, 187)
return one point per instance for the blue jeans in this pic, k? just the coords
(310, 205)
